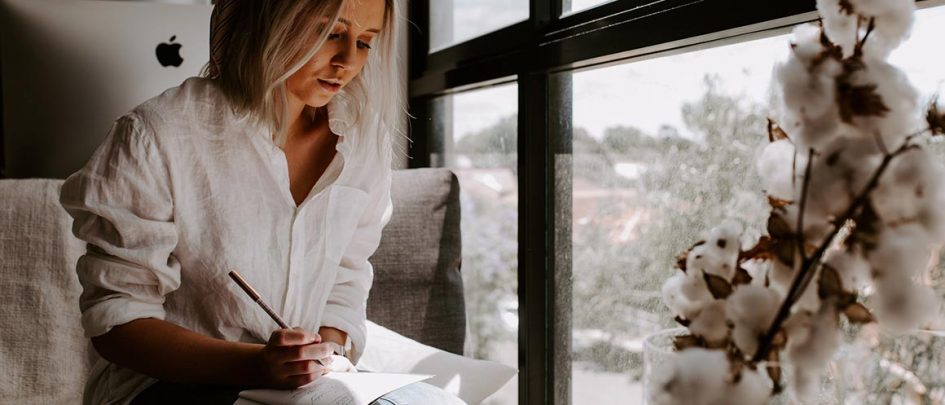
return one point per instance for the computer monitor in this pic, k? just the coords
(70, 68)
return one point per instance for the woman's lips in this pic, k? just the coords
(329, 86)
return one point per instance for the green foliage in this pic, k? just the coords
(687, 186)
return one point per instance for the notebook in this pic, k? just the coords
(333, 389)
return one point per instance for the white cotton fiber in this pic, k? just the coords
(840, 27)
(698, 376)
(685, 295)
(813, 338)
(710, 324)
(751, 309)
(775, 168)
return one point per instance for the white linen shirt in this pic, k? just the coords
(182, 191)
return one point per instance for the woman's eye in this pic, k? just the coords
(334, 36)
(364, 45)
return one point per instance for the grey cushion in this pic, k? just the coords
(43, 351)
(418, 289)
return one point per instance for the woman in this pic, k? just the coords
(276, 165)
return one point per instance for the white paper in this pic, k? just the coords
(334, 389)
(471, 380)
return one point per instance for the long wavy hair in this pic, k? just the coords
(256, 45)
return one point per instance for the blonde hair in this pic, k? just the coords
(267, 41)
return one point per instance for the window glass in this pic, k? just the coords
(476, 138)
(455, 21)
(574, 6)
(664, 149)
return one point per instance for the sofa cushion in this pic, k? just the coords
(418, 289)
(44, 354)
(45, 357)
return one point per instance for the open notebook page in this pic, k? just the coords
(333, 389)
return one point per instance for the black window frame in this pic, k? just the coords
(531, 53)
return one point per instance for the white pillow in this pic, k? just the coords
(470, 379)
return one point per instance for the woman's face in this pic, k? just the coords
(342, 56)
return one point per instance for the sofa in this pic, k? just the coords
(45, 358)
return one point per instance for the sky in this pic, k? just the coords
(649, 93)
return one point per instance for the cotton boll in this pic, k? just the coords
(894, 19)
(724, 244)
(852, 267)
(717, 256)
(809, 92)
(803, 384)
(758, 270)
(774, 166)
(685, 295)
(751, 309)
(710, 323)
(805, 42)
(899, 96)
(840, 173)
(693, 376)
(901, 253)
(840, 27)
(904, 305)
(815, 346)
(810, 300)
(813, 338)
(753, 388)
(912, 191)
(780, 276)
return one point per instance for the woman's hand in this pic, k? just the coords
(291, 358)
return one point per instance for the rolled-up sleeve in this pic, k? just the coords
(346, 308)
(122, 206)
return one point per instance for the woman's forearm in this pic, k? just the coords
(169, 352)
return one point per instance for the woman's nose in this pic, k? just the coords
(343, 59)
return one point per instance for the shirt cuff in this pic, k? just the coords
(103, 316)
(339, 317)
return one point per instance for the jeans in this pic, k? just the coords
(169, 393)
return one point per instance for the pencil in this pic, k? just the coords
(255, 296)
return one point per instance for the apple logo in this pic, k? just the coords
(168, 54)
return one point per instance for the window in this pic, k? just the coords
(479, 142)
(631, 119)
(455, 21)
(574, 6)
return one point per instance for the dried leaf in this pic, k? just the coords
(778, 228)
(857, 313)
(718, 286)
(779, 341)
(681, 260)
(867, 226)
(846, 7)
(684, 256)
(829, 284)
(761, 251)
(735, 367)
(831, 50)
(784, 250)
(777, 203)
(935, 119)
(682, 321)
(741, 277)
(683, 342)
(859, 100)
(775, 133)
(774, 371)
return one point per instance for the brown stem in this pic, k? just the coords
(809, 265)
(801, 243)
(858, 48)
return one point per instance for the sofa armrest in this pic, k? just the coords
(418, 288)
